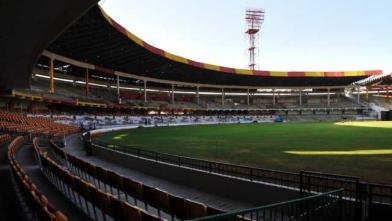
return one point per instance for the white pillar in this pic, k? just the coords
(358, 94)
(273, 97)
(247, 96)
(197, 95)
(300, 97)
(145, 90)
(223, 96)
(328, 97)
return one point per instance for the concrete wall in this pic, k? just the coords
(236, 189)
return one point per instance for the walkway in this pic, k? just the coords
(75, 147)
(26, 159)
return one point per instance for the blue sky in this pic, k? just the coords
(314, 35)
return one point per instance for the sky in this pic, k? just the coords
(297, 35)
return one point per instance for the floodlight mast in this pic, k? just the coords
(254, 19)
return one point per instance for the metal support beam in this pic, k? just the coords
(223, 96)
(145, 91)
(87, 81)
(328, 97)
(300, 97)
(273, 97)
(247, 96)
(367, 94)
(51, 76)
(358, 95)
(118, 89)
(197, 95)
(172, 94)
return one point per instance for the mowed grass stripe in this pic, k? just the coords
(266, 145)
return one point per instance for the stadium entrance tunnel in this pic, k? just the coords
(342, 152)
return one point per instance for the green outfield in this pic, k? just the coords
(361, 149)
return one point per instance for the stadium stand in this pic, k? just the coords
(115, 184)
(20, 124)
(41, 207)
(72, 89)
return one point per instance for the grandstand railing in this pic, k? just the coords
(277, 177)
(373, 201)
(324, 206)
(379, 200)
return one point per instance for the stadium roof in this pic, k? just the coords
(27, 28)
(97, 39)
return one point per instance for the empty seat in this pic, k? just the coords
(156, 198)
(196, 210)
(133, 188)
(178, 207)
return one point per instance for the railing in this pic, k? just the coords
(380, 201)
(276, 177)
(325, 206)
(315, 182)
(362, 199)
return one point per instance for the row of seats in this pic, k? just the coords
(94, 202)
(175, 206)
(19, 123)
(38, 202)
(5, 138)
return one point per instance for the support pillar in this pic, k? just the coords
(247, 97)
(145, 91)
(367, 94)
(197, 95)
(273, 97)
(358, 95)
(223, 97)
(300, 97)
(87, 81)
(51, 76)
(328, 97)
(118, 89)
(172, 94)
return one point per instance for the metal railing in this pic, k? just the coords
(276, 177)
(361, 199)
(325, 206)
(379, 202)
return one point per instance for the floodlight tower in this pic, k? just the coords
(254, 19)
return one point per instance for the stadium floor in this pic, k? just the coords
(74, 146)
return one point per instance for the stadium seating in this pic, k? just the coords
(4, 138)
(87, 196)
(113, 183)
(74, 94)
(21, 124)
(42, 208)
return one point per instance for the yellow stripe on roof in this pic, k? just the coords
(243, 71)
(108, 18)
(212, 67)
(279, 74)
(176, 57)
(314, 74)
(135, 38)
(353, 73)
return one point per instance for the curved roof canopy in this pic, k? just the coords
(97, 39)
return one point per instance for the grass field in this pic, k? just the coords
(361, 149)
